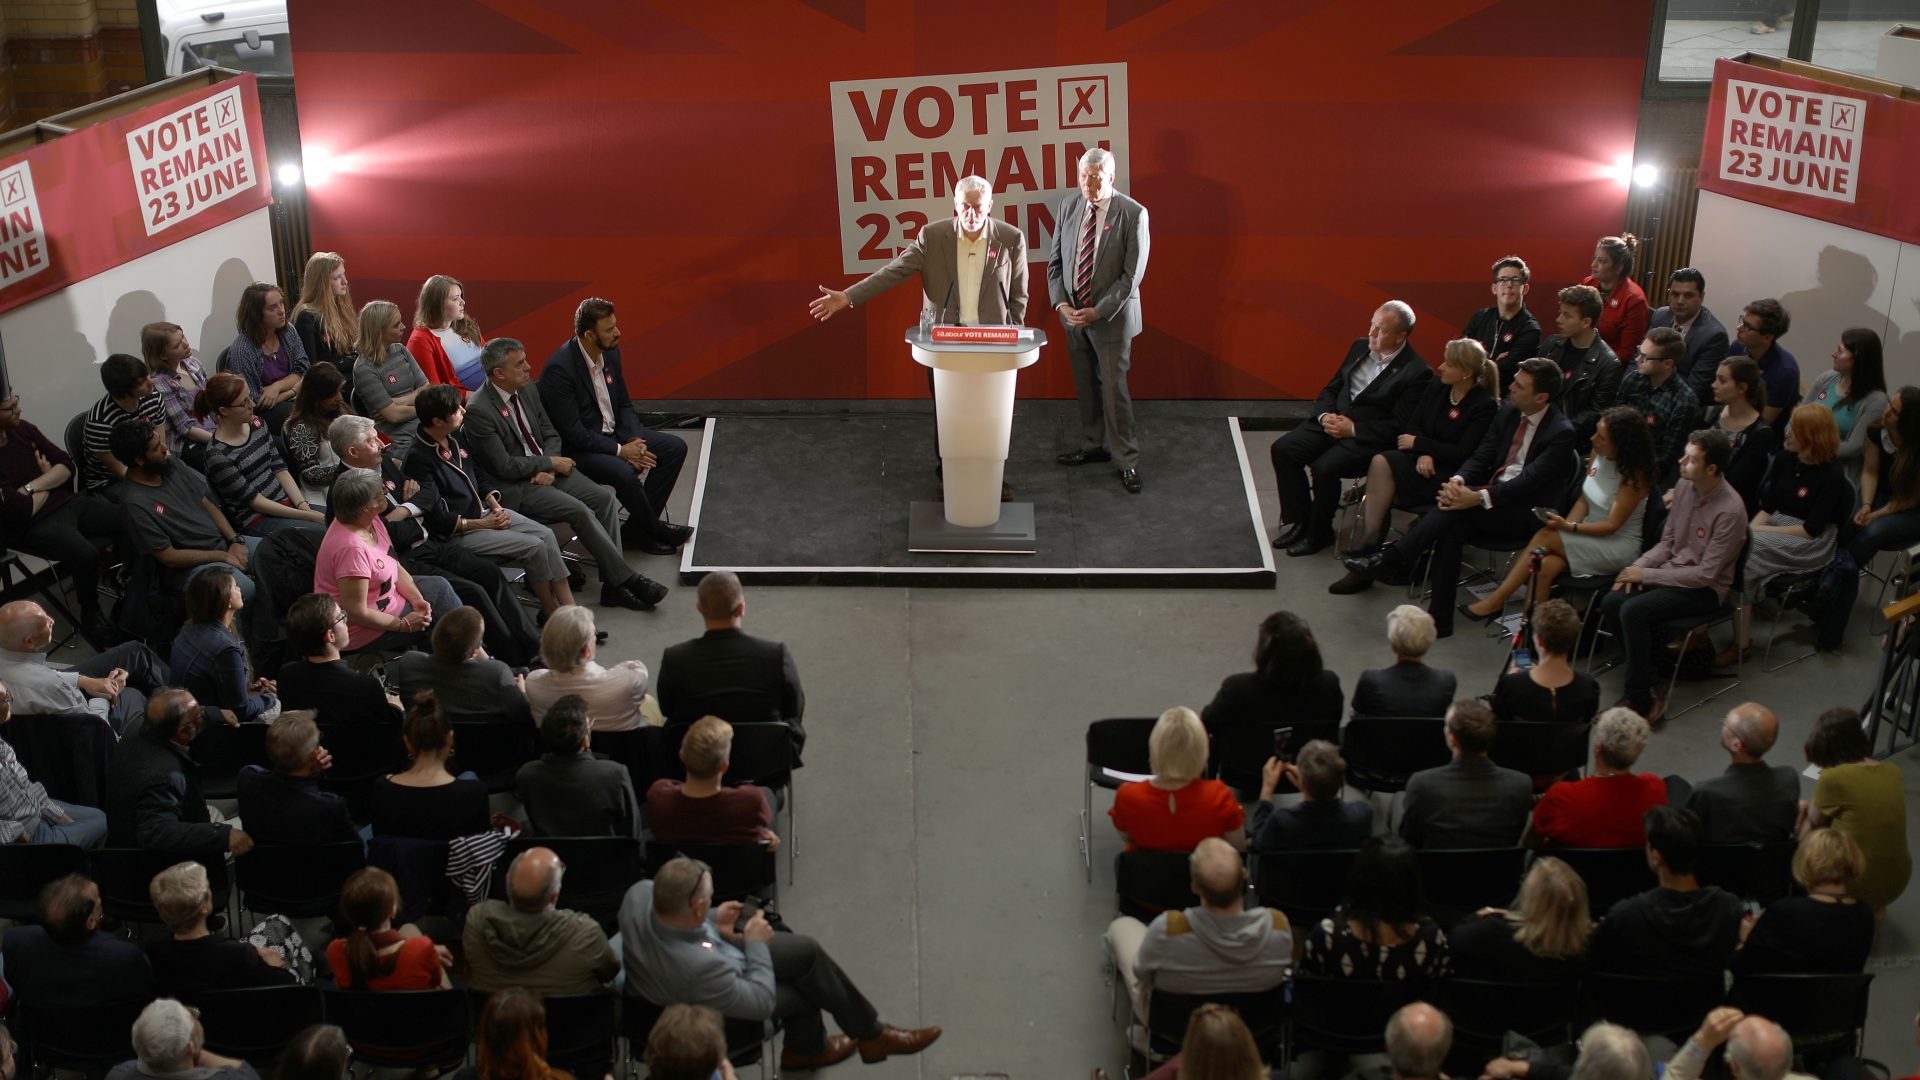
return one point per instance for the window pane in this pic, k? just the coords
(1700, 31)
(274, 56)
(1848, 34)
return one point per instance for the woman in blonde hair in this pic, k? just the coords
(387, 378)
(444, 340)
(1175, 809)
(324, 316)
(1543, 938)
(1451, 419)
(1827, 931)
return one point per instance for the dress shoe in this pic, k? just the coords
(1285, 536)
(1362, 551)
(1084, 457)
(1732, 655)
(839, 1048)
(1130, 479)
(100, 633)
(666, 540)
(1657, 711)
(677, 535)
(1467, 610)
(1354, 582)
(893, 1040)
(1310, 546)
(630, 595)
(576, 578)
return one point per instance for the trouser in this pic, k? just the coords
(72, 536)
(589, 509)
(146, 672)
(644, 499)
(1124, 936)
(524, 543)
(240, 577)
(439, 596)
(510, 636)
(1100, 368)
(1634, 616)
(1890, 533)
(87, 830)
(806, 981)
(1446, 533)
(268, 525)
(1308, 450)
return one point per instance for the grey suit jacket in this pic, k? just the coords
(1119, 262)
(1707, 343)
(491, 434)
(670, 966)
(934, 255)
(1467, 803)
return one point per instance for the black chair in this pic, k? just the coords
(1691, 626)
(1241, 751)
(123, 875)
(1116, 753)
(1786, 591)
(1826, 1015)
(402, 1029)
(300, 881)
(88, 1040)
(1539, 748)
(762, 755)
(600, 870)
(1149, 882)
(221, 751)
(1347, 1016)
(748, 1041)
(1483, 1011)
(492, 750)
(1611, 874)
(739, 870)
(256, 1024)
(1459, 882)
(1655, 1006)
(1382, 751)
(581, 1031)
(362, 753)
(1758, 872)
(1307, 885)
(1264, 1012)
(25, 869)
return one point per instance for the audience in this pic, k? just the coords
(1419, 1038)
(1751, 802)
(1409, 687)
(169, 1044)
(511, 1041)
(130, 395)
(315, 408)
(190, 960)
(256, 491)
(1740, 400)
(66, 961)
(444, 341)
(1606, 808)
(1288, 679)
(426, 802)
(527, 943)
(1889, 512)
(700, 810)
(210, 660)
(729, 673)
(1623, 321)
(1218, 1046)
(688, 1043)
(1757, 1048)
(323, 314)
(111, 685)
(387, 379)
(463, 678)
(284, 804)
(1863, 797)
(1507, 332)
(1542, 939)
(1856, 390)
(1705, 338)
(1320, 820)
(1607, 1052)
(1550, 690)
(1804, 504)
(374, 955)
(1380, 931)
(569, 792)
(1469, 802)
(1175, 808)
(42, 517)
(267, 353)
(1590, 368)
(1826, 931)
(27, 814)
(154, 795)
(316, 1053)
(1679, 928)
(178, 377)
(1762, 324)
(614, 695)
(387, 608)
(318, 679)
(1655, 390)
(170, 511)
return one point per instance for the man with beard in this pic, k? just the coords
(171, 512)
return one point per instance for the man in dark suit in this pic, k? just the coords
(1590, 372)
(285, 805)
(1526, 460)
(728, 672)
(1410, 687)
(569, 792)
(1469, 802)
(1751, 802)
(1368, 403)
(66, 962)
(1707, 339)
(585, 392)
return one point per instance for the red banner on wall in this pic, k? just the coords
(1814, 148)
(128, 186)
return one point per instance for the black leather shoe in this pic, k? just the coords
(1310, 546)
(1130, 479)
(1365, 565)
(622, 596)
(1084, 457)
(1288, 536)
(647, 545)
(649, 591)
(677, 535)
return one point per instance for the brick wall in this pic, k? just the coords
(57, 55)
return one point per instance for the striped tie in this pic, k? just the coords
(1083, 265)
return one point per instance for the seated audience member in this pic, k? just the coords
(1372, 397)
(1690, 570)
(27, 814)
(1418, 1038)
(1288, 679)
(680, 949)
(319, 1052)
(323, 312)
(1590, 369)
(1606, 808)
(1542, 939)
(1803, 505)
(585, 391)
(701, 811)
(387, 378)
(1469, 802)
(1602, 532)
(526, 942)
(1864, 798)
(1525, 461)
(1453, 415)
(267, 353)
(568, 791)
(284, 804)
(464, 679)
(256, 491)
(1623, 319)
(1889, 512)
(112, 685)
(1409, 687)
(1679, 928)
(444, 341)
(1550, 691)
(310, 456)
(426, 802)
(1751, 802)
(729, 673)
(1176, 808)
(178, 377)
(511, 1040)
(1762, 324)
(1380, 931)
(210, 660)
(190, 960)
(318, 679)
(154, 796)
(1607, 1052)
(375, 956)
(1507, 332)
(65, 961)
(1320, 820)
(1856, 390)
(42, 517)
(1218, 1044)
(130, 395)
(1757, 1048)
(1826, 931)
(1706, 339)
(688, 1042)
(1219, 947)
(169, 1044)
(171, 513)
(613, 695)
(387, 608)
(1740, 398)
(1655, 390)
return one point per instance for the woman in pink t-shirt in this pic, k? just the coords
(385, 607)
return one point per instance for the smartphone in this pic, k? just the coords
(1522, 659)
(1543, 512)
(749, 907)
(1283, 743)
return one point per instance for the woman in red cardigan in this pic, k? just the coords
(1623, 308)
(444, 341)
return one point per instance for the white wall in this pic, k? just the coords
(55, 344)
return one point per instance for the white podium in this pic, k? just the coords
(973, 385)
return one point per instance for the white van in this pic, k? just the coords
(247, 35)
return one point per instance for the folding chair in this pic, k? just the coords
(1691, 626)
(123, 875)
(1826, 1015)
(1461, 881)
(600, 870)
(1611, 874)
(492, 750)
(1655, 1006)
(1347, 1016)
(1785, 591)
(361, 753)
(762, 755)
(256, 1024)
(1241, 751)
(582, 1033)
(1306, 885)
(1263, 1011)
(300, 881)
(1540, 748)
(88, 1040)
(1758, 872)
(402, 1029)
(1383, 751)
(739, 870)
(1116, 753)
(749, 1042)
(1483, 1011)
(25, 869)
(1149, 882)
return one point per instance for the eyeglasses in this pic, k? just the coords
(1644, 355)
(1509, 281)
(1750, 328)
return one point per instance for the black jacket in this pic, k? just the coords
(155, 801)
(1669, 933)
(449, 477)
(1387, 406)
(1408, 688)
(279, 809)
(578, 795)
(567, 391)
(735, 676)
(1546, 476)
(1590, 386)
(1507, 341)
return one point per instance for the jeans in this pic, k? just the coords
(1893, 532)
(267, 526)
(439, 596)
(88, 829)
(1634, 616)
(241, 578)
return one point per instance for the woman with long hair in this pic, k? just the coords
(1542, 938)
(257, 493)
(1624, 313)
(387, 378)
(1739, 411)
(444, 340)
(210, 660)
(376, 956)
(178, 378)
(1288, 678)
(1381, 930)
(324, 316)
(317, 405)
(1601, 533)
(267, 353)
(1802, 505)
(512, 1039)
(1856, 390)
(1889, 514)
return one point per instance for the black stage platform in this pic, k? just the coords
(824, 501)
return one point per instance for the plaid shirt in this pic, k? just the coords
(177, 390)
(22, 801)
(1672, 411)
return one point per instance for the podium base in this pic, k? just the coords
(928, 530)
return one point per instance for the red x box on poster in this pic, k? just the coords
(128, 186)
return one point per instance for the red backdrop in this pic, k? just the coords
(1302, 160)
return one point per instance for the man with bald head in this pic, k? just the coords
(525, 942)
(1751, 802)
(728, 672)
(1757, 1049)
(1418, 1039)
(112, 685)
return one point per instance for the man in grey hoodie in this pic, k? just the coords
(529, 944)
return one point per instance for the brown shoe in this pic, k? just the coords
(839, 1048)
(893, 1040)
(1657, 711)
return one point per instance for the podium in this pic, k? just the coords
(973, 383)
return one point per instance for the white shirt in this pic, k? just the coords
(597, 375)
(1369, 369)
(970, 262)
(1530, 425)
(613, 695)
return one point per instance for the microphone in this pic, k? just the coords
(945, 302)
(1006, 302)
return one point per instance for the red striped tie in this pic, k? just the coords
(1083, 265)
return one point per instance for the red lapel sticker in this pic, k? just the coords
(1453, 414)
(1507, 336)
(1652, 419)
(1803, 493)
(1613, 303)
(1593, 470)
(1700, 531)
(159, 508)
(393, 378)
(503, 413)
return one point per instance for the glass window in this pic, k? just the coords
(1698, 32)
(1847, 34)
(264, 54)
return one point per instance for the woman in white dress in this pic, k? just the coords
(1601, 533)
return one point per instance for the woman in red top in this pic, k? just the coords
(375, 956)
(1175, 810)
(444, 339)
(1623, 311)
(1605, 809)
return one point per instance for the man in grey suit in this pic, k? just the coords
(518, 449)
(1707, 340)
(1093, 279)
(1469, 802)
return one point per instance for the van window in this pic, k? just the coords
(274, 56)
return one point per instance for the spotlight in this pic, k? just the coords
(319, 165)
(1645, 175)
(288, 174)
(1621, 171)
